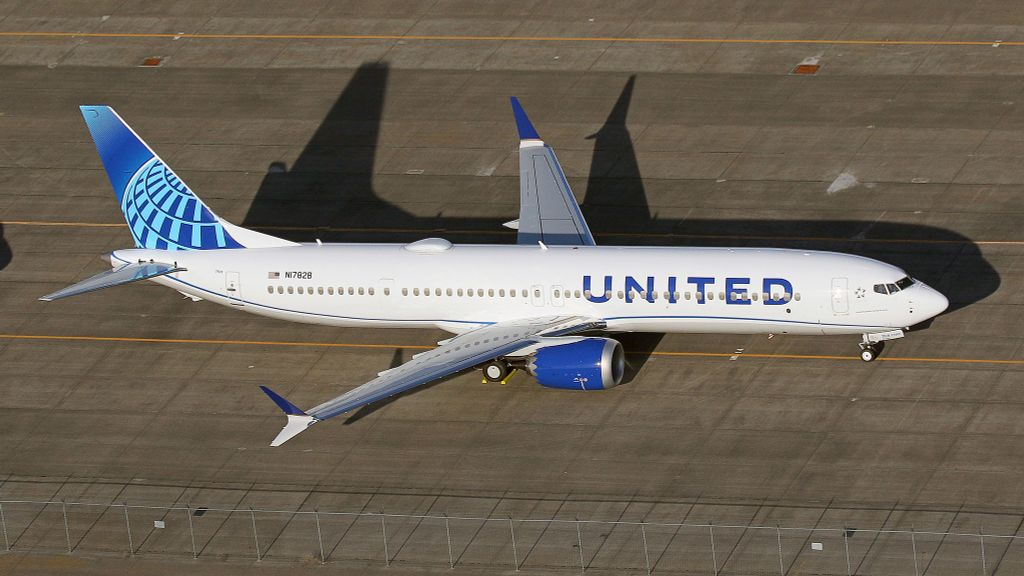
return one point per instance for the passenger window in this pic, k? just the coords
(687, 295)
(437, 291)
(387, 291)
(415, 291)
(405, 291)
(370, 291)
(787, 296)
(753, 296)
(577, 294)
(270, 289)
(501, 292)
(586, 293)
(490, 292)
(300, 289)
(291, 289)
(620, 295)
(360, 290)
(558, 294)
(280, 289)
(330, 290)
(536, 293)
(320, 290)
(351, 291)
(796, 296)
(460, 292)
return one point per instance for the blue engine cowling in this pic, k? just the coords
(589, 364)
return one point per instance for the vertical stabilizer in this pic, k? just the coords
(160, 209)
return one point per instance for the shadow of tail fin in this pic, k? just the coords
(614, 183)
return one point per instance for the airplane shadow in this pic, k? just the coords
(5, 250)
(330, 187)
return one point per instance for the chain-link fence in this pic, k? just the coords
(525, 545)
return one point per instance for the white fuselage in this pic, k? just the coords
(457, 288)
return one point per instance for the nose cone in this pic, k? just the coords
(933, 302)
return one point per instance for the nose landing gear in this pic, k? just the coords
(868, 352)
(873, 344)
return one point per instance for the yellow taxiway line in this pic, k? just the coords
(598, 234)
(482, 38)
(125, 339)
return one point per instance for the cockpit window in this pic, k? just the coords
(905, 282)
(900, 284)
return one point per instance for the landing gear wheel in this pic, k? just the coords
(868, 354)
(495, 371)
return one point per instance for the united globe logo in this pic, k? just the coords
(163, 214)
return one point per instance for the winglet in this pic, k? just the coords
(288, 408)
(297, 419)
(523, 124)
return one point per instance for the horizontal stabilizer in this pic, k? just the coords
(124, 275)
(297, 419)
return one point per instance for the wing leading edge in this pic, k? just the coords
(455, 355)
(548, 211)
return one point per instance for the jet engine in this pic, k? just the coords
(588, 364)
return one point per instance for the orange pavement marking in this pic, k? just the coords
(424, 347)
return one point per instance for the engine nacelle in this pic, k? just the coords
(590, 364)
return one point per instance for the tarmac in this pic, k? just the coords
(676, 123)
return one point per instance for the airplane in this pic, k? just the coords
(550, 312)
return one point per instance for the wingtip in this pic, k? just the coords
(285, 406)
(523, 124)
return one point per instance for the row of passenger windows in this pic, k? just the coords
(516, 293)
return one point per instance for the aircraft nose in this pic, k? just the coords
(934, 303)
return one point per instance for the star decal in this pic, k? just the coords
(859, 292)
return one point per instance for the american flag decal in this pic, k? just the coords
(274, 275)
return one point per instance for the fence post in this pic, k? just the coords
(846, 544)
(255, 536)
(981, 536)
(3, 521)
(191, 530)
(647, 557)
(384, 534)
(319, 536)
(579, 543)
(913, 544)
(778, 536)
(67, 531)
(515, 555)
(714, 558)
(128, 528)
(448, 535)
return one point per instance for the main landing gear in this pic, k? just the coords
(497, 371)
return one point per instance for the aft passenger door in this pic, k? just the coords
(840, 296)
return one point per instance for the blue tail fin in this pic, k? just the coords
(161, 211)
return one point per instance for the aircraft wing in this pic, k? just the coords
(548, 211)
(454, 355)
